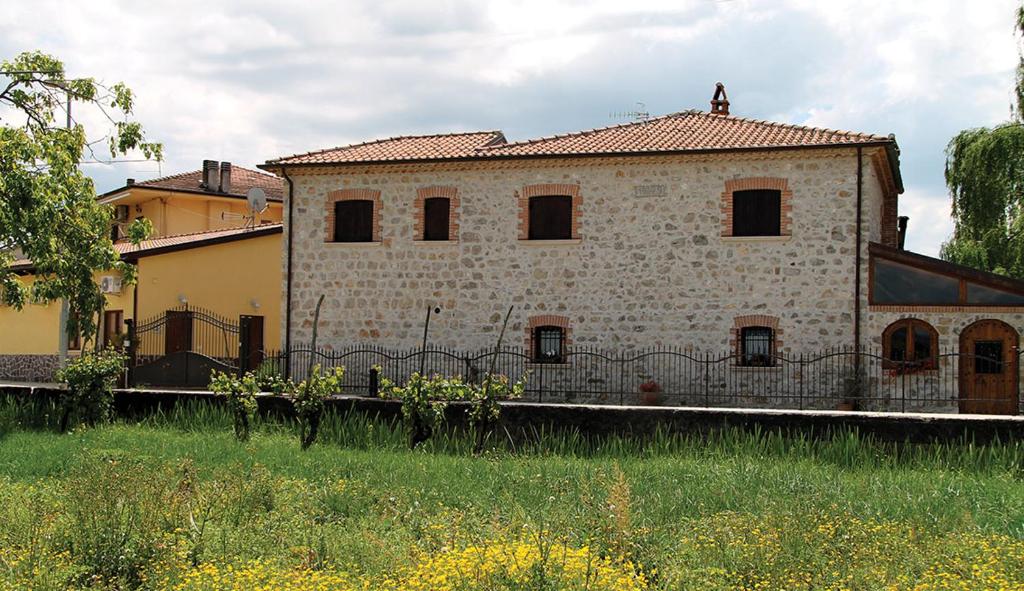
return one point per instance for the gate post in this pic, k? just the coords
(133, 348)
(244, 345)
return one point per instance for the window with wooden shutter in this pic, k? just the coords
(353, 220)
(550, 217)
(757, 213)
(436, 215)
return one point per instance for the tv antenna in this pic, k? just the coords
(639, 115)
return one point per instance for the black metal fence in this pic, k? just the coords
(829, 379)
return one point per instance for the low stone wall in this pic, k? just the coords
(521, 419)
(29, 368)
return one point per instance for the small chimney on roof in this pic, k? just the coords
(209, 181)
(720, 102)
(225, 177)
(903, 220)
(129, 182)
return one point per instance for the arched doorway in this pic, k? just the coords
(988, 368)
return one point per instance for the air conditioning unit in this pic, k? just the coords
(110, 284)
(121, 213)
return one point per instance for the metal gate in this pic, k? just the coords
(183, 346)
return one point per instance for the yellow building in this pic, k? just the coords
(207, 280)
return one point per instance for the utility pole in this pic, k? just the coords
(62, 351)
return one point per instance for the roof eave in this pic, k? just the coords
(271, 166)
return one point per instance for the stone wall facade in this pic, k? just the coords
(648, 264)
(29, 368)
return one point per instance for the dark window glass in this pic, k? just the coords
(756, 347)
(979, 294)
(988, 357)
(922, 342)
(756, 213)
(898, 344)
(551, 218)
(548, 344)
(894, 283)
(353, 221)
(435, 218)
(909, 343)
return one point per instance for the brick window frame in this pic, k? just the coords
(351, 195)
(752, 321)
(753, 184)
(424, 193)
(535, 322)
(556, 189)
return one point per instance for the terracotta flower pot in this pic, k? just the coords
(846, 405)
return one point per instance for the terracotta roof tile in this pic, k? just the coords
(418, 147)
(677, 132)
(242, 179)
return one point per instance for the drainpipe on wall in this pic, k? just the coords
(856, 282)
(288, 279)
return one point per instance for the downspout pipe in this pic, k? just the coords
(288, 277)
(857, 263)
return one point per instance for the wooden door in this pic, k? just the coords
(178, 337)
(113, 320)
(988, 368)
(250, 341)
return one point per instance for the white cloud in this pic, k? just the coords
(255, 81)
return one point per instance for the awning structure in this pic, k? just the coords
(901, 278)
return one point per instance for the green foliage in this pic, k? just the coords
(112, 525)
(710, 510)
(425, 401)
(240, 395)
(48, 207)
(985, 175)
(309, 401)
(90, 380)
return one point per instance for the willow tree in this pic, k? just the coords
(985, 174)
(48, 208)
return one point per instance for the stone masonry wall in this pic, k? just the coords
(29, 368)
(650, 266)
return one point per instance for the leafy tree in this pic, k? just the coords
(985, 174)
(48, 208)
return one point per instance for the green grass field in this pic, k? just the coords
(173, 501)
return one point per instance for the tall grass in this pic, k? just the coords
(845, 448)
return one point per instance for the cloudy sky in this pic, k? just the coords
(253, 81)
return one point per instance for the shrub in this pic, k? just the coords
(240, 394)
(425, 400)
(90, 380)
(309, 401)
(114, 522)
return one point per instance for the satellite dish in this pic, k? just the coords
(257, 200)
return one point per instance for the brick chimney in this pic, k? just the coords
(225, 177)
(210, 180)
(720, 102)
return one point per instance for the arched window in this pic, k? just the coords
(910, 342)
(757, 346)
(550, 217)
(757, 212)
(549, 344)
(436, 218)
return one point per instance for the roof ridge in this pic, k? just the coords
(495, 132)
(583, 132)
(796, 126)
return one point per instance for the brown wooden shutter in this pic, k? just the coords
(756, 213)
(353, 221)
(435, 218)
(551, 217)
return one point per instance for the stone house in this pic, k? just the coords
(698, 230)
